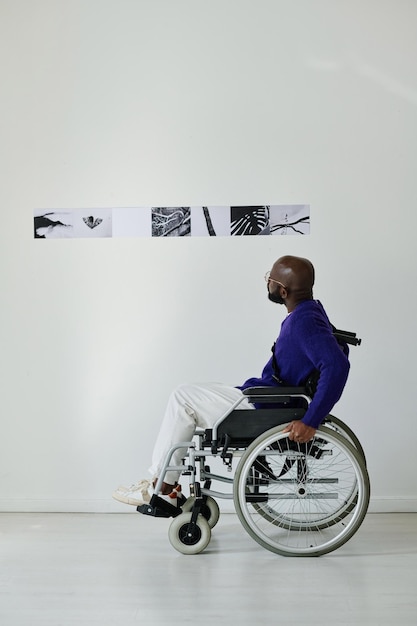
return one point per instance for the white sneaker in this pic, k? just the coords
(137, 494)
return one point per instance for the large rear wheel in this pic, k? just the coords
(311, 499)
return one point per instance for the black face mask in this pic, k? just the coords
(275, 297)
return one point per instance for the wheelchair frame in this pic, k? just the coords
(293, 499)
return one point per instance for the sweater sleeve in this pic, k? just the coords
(329, 359)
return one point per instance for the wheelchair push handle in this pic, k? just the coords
(347, 336)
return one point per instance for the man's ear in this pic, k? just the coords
(283, 292)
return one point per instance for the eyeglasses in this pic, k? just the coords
(268, 278)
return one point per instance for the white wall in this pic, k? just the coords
(186, 102)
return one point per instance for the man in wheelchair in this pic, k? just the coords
(305, 346)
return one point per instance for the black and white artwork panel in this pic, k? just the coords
(132, 222)
(92, 223)
(249, 220)
(171, 221)
(50, 224)
(210, 221)
(291, 219)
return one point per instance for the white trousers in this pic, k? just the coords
(190, 407)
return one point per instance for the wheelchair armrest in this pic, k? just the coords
(267, 395)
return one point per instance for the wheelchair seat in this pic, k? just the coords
(241, 426)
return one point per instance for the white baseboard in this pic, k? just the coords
(377, 505)
(63, 506)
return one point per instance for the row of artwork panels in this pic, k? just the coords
(220, 221)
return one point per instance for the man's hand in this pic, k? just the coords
(299, 432)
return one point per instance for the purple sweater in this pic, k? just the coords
(306, 344)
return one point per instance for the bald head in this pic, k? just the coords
(296, 275)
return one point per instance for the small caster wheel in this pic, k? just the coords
(210, 510)
(189, 539)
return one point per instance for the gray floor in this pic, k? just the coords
(86, 569)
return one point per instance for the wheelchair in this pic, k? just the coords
(293, 499)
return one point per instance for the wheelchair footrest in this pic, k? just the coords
(158, 507)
